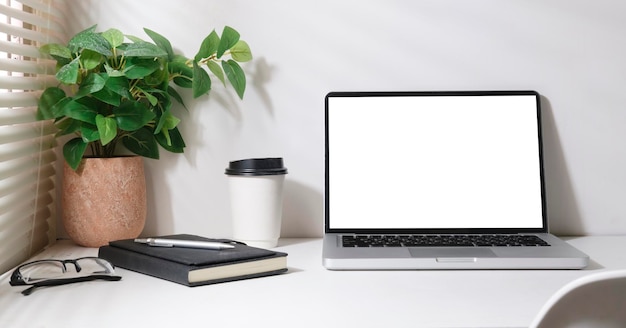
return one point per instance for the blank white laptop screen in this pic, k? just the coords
(434, 162)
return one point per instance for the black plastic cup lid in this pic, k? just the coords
(256, 167)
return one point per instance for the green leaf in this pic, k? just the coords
(174, 94)
(67, 126)
(139, 67)
(114, 36)
(151, 99)
(183, 81)
(241, 52)
(56, 51)
(68, 74)
(91, 29)
(201, 83)
(161, 41)
(78, 111)
(134, 38)
(159, 78)
(229, 39)
(142, 142)
(208, 47)
(119, 85)
(90, 59)
(91, 84)
(111, 71)
(73, 152)
(90, 102)
(144, 49)
(170, 124)
(106, 95)
(183, 74)
(103, 88)
(107, 128)
(132, 115)
(171, 140)
(88, 39)
(162, 115)
(58, 109)
(216, 69)
(50, 97)
(89, 133)
(236, 76)
(164, 136)
(155, 91)
(171, 121)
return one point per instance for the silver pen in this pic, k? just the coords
(164, 242)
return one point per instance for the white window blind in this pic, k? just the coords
(27, 155)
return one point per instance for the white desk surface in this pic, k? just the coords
(308, 295)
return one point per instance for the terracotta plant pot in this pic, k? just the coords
(104, 200)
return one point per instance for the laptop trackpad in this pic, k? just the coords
(451, 252)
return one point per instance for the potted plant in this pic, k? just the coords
(118, 90)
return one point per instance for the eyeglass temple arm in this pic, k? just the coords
(59, 282)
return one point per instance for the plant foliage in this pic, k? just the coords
(121, 89)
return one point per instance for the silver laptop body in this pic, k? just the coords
(406, 172)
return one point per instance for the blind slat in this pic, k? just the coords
(27, 146)
(30, 18)
(19, 49)
(14, 252)
(26, 83)
(19, 218)
(20, 208)
(17, 180)
(23, 164)
(23, 33)
(18, 133)
(41, 66)
(48, 8)
(19, 99)
(13, 116)
(17, 235)
(23, 200)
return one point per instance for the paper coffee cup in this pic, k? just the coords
(256, 200)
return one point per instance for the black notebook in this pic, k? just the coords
(194, 267)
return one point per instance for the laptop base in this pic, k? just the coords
(558, 256)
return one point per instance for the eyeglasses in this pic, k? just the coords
(46, 273)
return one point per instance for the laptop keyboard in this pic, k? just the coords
(442, 241)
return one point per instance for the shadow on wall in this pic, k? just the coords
(302, 211)
(562, 207)
(153, 226)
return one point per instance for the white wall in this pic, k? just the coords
(572, 52)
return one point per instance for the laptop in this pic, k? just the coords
(437, 180)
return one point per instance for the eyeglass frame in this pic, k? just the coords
(18, 280)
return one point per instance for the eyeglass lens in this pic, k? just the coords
(57, 269)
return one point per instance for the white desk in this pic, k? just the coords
(307, 296)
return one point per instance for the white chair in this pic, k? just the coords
(596, 301)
